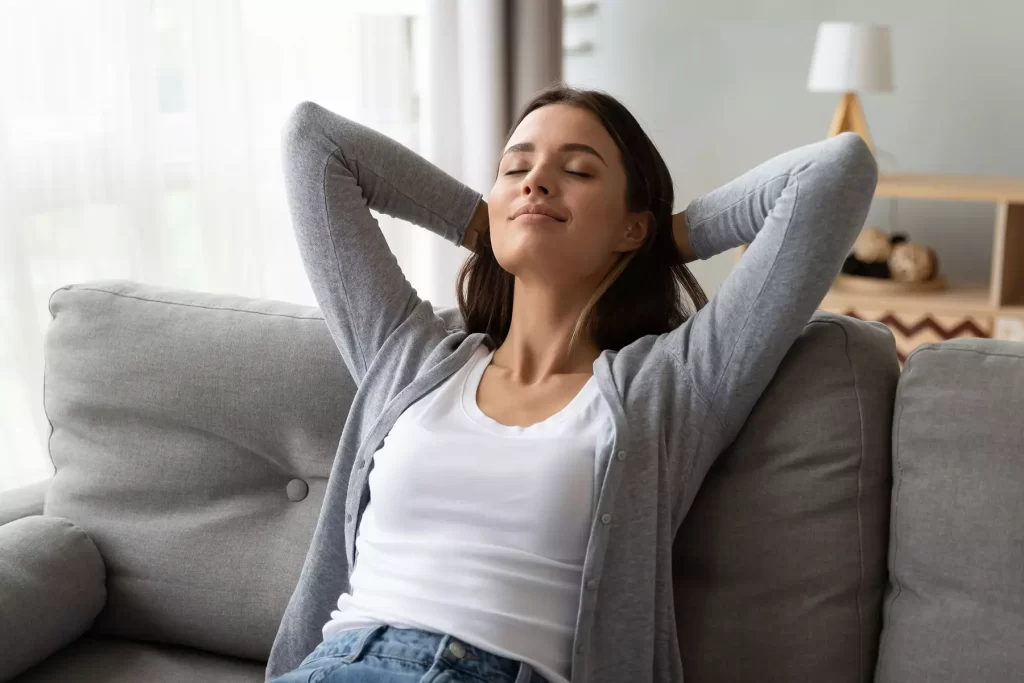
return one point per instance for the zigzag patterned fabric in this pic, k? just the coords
(913, 330)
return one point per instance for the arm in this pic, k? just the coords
(336, 171)
(477, 227)
(681, 236)
(800, 212)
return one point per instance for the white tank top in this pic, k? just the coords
(479, 529)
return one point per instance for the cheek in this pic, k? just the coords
(596, 218)
(499, 205)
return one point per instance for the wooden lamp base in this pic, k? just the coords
(850, 117)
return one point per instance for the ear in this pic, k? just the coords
(634, 232)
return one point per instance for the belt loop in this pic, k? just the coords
(360, 648)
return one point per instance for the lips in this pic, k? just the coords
(538, 209)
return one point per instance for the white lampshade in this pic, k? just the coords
(851, 58)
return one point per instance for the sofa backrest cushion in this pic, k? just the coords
(779, 566)
(954, 607)
(192, 439)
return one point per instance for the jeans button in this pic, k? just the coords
(457, 649)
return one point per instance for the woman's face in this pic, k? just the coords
(561, 160)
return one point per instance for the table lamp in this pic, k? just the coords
(851, 58)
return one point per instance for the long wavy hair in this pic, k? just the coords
(648, 291)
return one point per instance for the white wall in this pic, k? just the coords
(721, 89)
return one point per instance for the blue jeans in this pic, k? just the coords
(384, 654)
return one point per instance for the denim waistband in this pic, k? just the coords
(425, 648)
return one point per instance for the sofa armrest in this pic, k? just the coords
(22, 502)
(52, 587)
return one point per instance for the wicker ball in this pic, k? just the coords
(913, 262)
(872, 246)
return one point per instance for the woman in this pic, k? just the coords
(532, 461)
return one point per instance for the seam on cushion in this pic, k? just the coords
(760, 291)
(74, 528)
(894, 527)
(337, 259)
(860, 491)
(945, 348)
(180, 303)
(46, 412)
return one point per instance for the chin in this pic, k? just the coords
(535, 264)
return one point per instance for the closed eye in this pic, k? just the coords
(575, 173)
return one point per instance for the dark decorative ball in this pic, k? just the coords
(877, 270)
(854, 266)
(851, 266)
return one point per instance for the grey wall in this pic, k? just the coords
(721, 92)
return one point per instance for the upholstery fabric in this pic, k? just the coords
(105, 660)
(192, 438)
(51, 589)
(23, 501)
(779, 567)
(954, 607)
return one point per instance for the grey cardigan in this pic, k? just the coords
(678, 399)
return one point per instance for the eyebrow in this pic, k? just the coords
(567, 147)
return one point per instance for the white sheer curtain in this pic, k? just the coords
(483, 59)
(139, 139)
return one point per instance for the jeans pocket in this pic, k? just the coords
(347, 645)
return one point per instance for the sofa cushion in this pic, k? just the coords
(779, 567)
(192, 439)
(954, 609)
(51, 589)
(23, 501)
(103, 660)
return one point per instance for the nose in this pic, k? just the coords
(533, 183)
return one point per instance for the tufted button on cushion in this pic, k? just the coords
(297, 489)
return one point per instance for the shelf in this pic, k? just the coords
(959, 299)
(965, 188)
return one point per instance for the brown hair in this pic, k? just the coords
(641, 294)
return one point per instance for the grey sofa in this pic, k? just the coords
(837, 540)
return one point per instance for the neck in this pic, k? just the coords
(537, 344)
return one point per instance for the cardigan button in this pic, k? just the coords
(592, 585)
(606, 518)
(348, 517)
(621, 455)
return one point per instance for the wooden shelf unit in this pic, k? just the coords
(1006, 285)
(964, 309)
